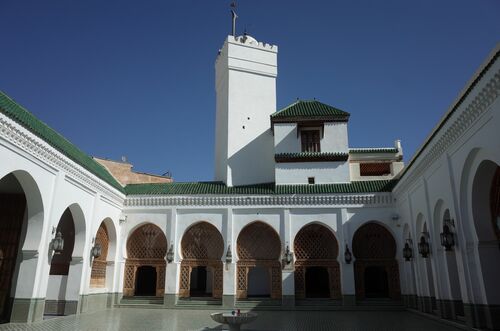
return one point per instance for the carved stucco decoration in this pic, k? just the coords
(373, 245)
(201, 245)
(146, 246)
(258, 245)
(316, 246)
(98, 273)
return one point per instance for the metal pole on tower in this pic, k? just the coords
(234, 17)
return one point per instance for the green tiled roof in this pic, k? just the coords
(219, 188)
(310, 109)
(310, 156)
(17, 113)
(372, 150)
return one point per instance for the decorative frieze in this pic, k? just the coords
(23, 139)
(455, 129)
(373, 200)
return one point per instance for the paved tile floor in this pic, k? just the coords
(127, 319)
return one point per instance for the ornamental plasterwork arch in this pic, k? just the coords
(315, 245)
(146, 246)
(373, 245)
(258, 244)
(99, 264)
(202, 245)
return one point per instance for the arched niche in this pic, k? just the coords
(21, 223)
(258, 245)
(66, 267)
(202, 248)
(316, 250)
(485, 198)
(376, 270)
(101, 270)
(146, 247)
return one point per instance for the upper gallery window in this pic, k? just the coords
(310, 140)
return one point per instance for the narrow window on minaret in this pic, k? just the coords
(310, 140)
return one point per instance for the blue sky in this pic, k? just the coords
(136, 78)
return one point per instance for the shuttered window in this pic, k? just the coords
(310, 140)
(375, 169)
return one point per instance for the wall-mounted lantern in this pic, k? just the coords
(170, 254)
(287, 256)
(229, 255)
(408, 250)
(347, 255)
(57, 244)
(447, 237)
(122, 220)
(423, 246)
(96, 250)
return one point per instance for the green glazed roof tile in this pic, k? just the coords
(310, 156)
(373, 150)
(219, 188)
(310, 109)
(20, 115)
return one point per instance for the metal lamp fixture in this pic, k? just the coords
(96, 250)
(57, 244)
(287, 256)
(170, 254)
(408, 250)
(447, 237)
(229, 255)
(423, 246)
(347, 255)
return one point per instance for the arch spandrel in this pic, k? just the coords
(147, 242)
(372, 241)
(258, 241)
(202, 241)
(315, 241)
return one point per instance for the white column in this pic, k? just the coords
(287, 274)
(346, 270)
(229, 272)
(173, 269)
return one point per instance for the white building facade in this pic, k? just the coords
(295, 214)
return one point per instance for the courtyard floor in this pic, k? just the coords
(127, 319)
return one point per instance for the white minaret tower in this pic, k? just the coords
(245, 84)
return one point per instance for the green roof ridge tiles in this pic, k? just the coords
(311, 153)
(20, 115)
(311, 156)
(373, 150)
(219, 188)
(309, 109)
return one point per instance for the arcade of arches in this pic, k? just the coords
(201, 267)
(317, 271)
(376, 271)
(145, 264)
(258, 270)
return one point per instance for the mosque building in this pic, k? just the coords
(294, 218)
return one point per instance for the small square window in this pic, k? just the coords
(310, 180)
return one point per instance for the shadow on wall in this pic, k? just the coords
(285, 143)
(254, 162)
